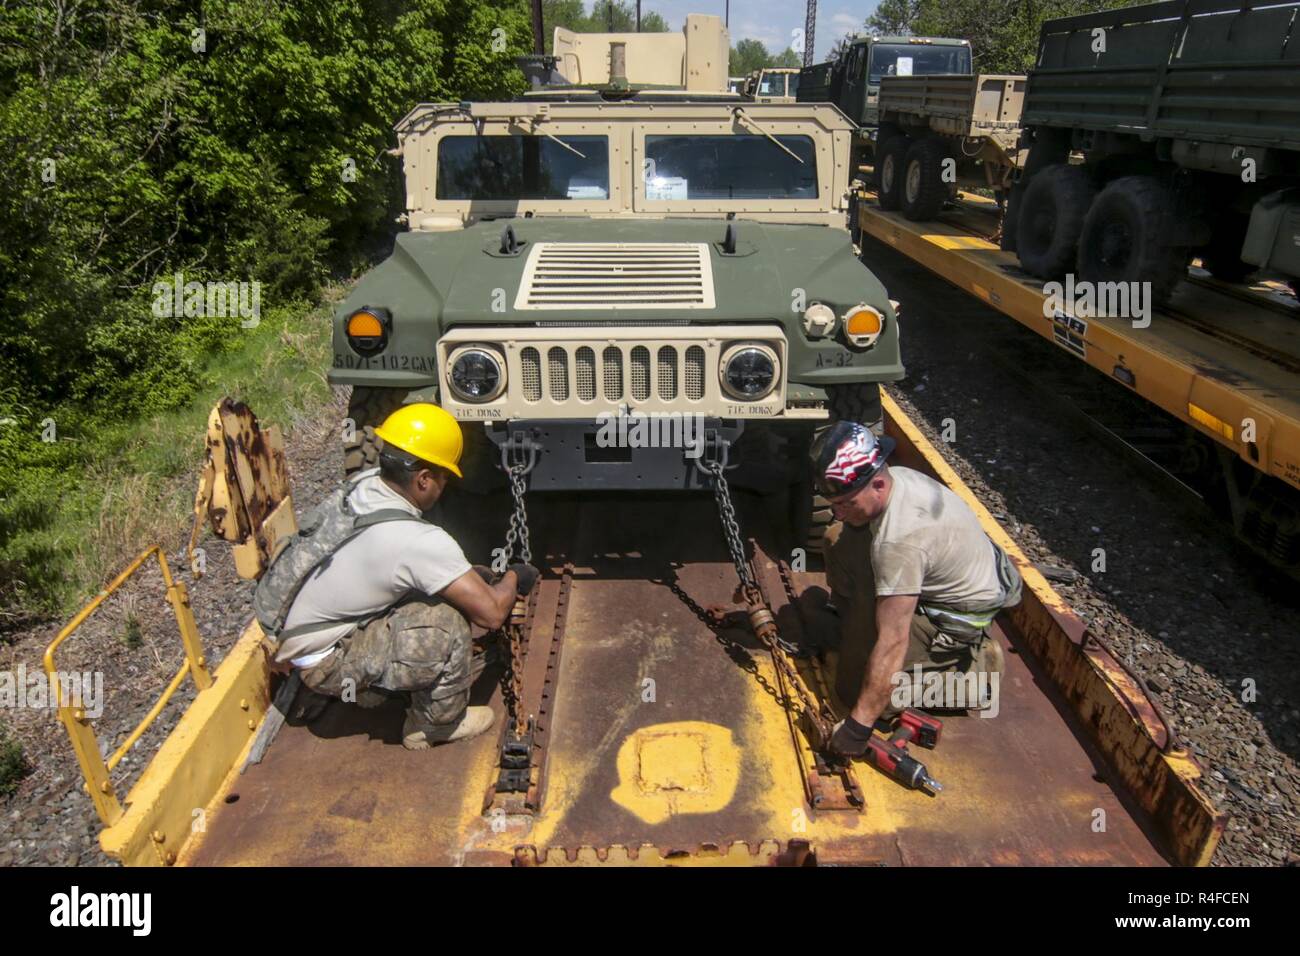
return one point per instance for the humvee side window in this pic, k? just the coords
(729, 167)
(792, 84)
(917, 60)
(484, 168)
(773, 85)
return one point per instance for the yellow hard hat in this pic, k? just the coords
(427, 432)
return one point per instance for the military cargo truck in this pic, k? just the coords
(852, 80)
(940, 132)
(1160, 132)
(645, 242)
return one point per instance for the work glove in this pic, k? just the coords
(485, 573)
(850, 738)
(527, 577)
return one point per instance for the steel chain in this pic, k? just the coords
(780, 649)
(512, 681)
(517, 533)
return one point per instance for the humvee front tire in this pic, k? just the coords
(367, 409)
(1050, 219)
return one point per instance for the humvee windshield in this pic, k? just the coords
(478, 168)
(730, 167)
(911, 59)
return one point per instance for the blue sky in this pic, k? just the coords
(772, 20)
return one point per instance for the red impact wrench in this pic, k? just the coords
(890, 755)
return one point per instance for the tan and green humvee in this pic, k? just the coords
(627, 238)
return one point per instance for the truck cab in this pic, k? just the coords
(773, 85)
(852, 82)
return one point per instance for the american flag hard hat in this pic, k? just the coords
(846, 456)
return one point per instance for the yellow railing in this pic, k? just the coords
(84, 743)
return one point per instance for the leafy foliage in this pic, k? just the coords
(221, 140)
(749, 55)
(619, 17)
(1003, 33)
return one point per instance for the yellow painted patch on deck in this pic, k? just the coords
(958, 242)
(684, 767)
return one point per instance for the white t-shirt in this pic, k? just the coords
(371, 573)
(928, 542)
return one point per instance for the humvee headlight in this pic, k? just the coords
(863, 325)
(819, 320)
(476, 374)
(367, 330)
(749, 372)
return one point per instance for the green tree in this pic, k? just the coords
(786, 57)
(231, 140)
(574, 15)
(1003, 33)
(894, 17)
(746, 56)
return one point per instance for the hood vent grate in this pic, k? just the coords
(617, 275)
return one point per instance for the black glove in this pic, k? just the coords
(850, 738)
(485, 573)
(527, 575)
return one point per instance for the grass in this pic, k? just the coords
(13, 765)
(134, 486)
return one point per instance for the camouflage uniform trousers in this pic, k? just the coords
(421, 647)
(852, 582)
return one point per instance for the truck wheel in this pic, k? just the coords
(1128, 236)
(858, 402)
(924, 190)
(1050, 219)
(889, 171)
(367, 408)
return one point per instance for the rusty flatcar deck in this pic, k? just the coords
(660, 739)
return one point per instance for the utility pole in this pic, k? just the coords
(539, 31)
(609, 16)
(809, 32)
(638, 16)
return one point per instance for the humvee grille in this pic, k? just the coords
(584, 366)
(530, 363)
(585, 372)
(667, 372)
(558, 365)
(617, 275)
(695, 373)
(640, 373)
(613, 372)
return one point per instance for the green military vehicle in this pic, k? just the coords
(852, 80)
(937, 133)
(1158, 133)
(773, 84)
(628, 238)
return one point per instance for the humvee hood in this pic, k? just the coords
(774, 265)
